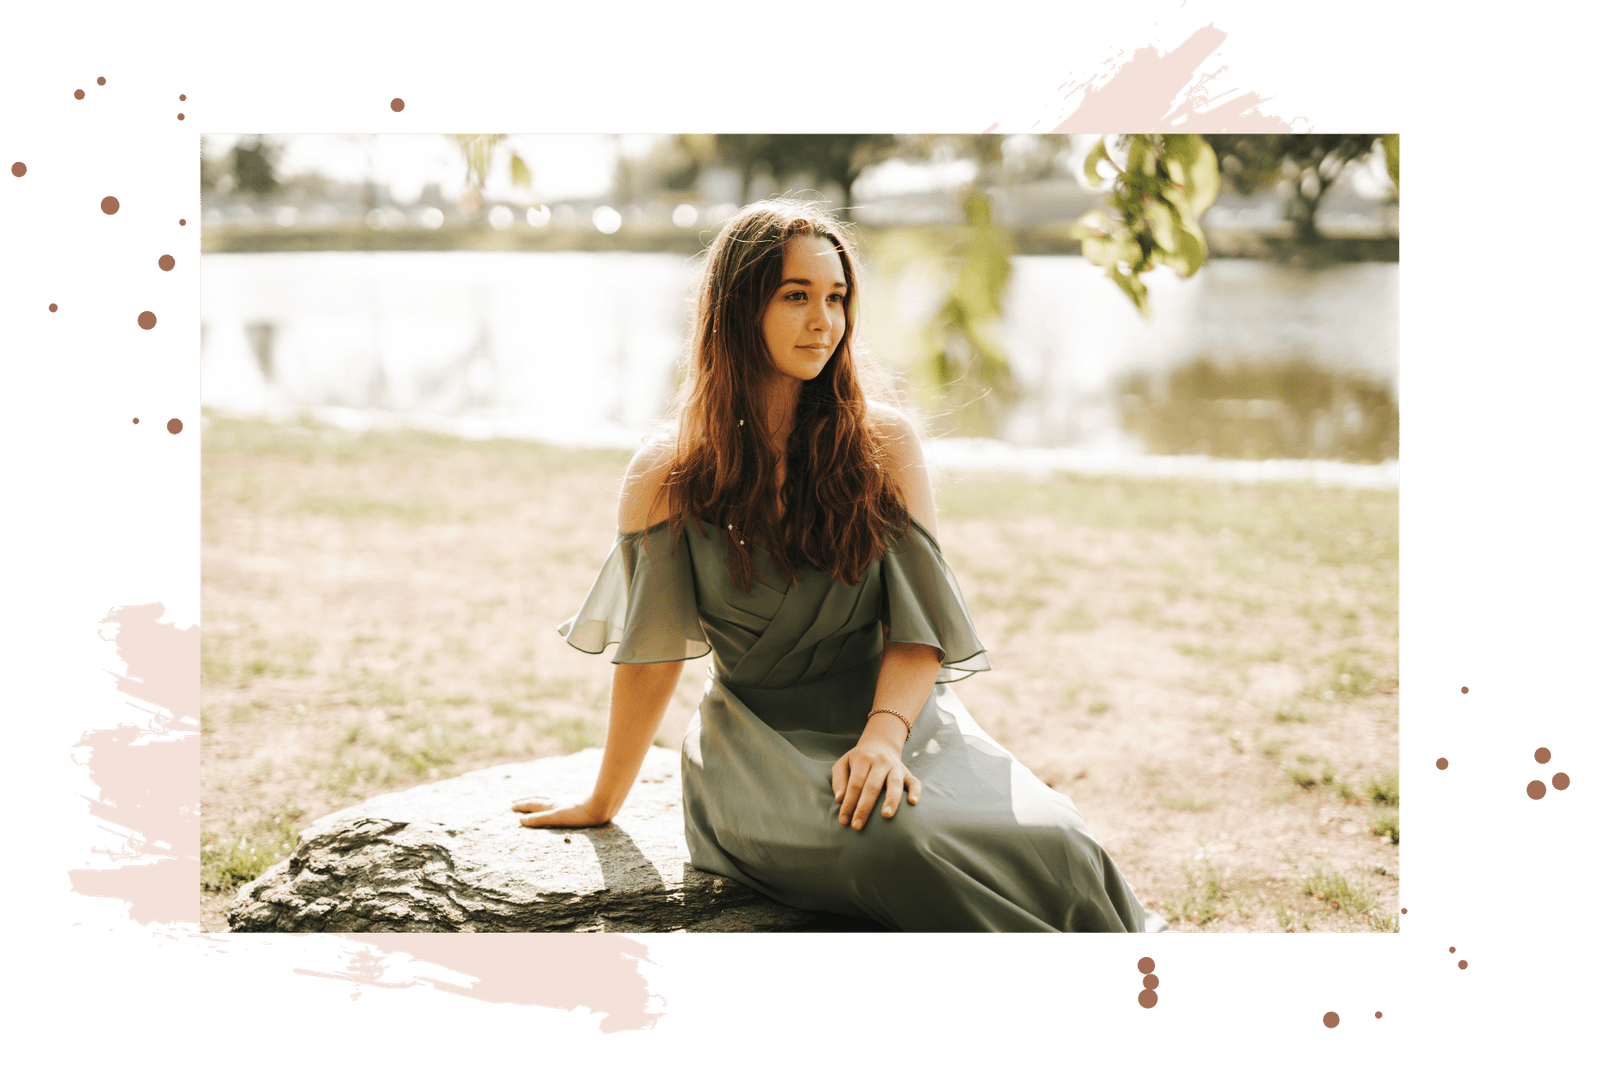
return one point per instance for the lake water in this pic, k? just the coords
(580, 347)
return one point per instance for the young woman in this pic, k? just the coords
(788, 529)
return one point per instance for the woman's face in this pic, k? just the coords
(805, 320)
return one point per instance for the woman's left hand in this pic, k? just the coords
(871, 768)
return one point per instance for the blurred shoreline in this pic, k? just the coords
(943, 453)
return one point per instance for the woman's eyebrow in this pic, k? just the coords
(807, 281)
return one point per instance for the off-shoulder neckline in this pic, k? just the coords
(912, 519)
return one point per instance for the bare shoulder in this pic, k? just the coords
(642, 503)
(906, 463)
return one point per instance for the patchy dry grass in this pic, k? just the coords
(380, 609)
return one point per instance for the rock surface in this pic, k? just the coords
(451, 856)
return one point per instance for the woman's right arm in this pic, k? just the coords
(639, 697)
(640, 693)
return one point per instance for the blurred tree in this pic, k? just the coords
(253, 162)
(835, 157)
(1153, 208)
(1302, 165)
(967, 361)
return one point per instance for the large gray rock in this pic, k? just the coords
(451, 856)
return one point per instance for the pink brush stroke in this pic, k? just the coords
(148, 779)
(1157, 92)
(566, 971)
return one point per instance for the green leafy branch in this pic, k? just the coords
(1153, 209)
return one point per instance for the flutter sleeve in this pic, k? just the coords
(643, 601)
(923, 606)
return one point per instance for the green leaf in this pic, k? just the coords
(1163, 221)
(1091, 172)
(1391, 152)
(1202, 180)
(521, 175)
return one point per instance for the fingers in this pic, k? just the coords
(869, 796)
(857, 769)
(913, 788)
(533, 804)
(891, 791)
(840, 778)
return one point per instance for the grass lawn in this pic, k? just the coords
(1209, 670)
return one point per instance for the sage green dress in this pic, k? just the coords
(792, 679)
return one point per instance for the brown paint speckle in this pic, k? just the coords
(1402, 911)
(1462, 965)
(182, 97)
(1463, 689)
(1331, 1020)
(174, 426)
(147, 320)
(109, 205)
(19, 169)
(180, 116)
(183, 222)
(1441, 763)
(1151, 981)
(136, 420)
(1536, 789)
(1541, 755)
(77, 94)
(1147, 998)
(1146, 965)
(52, 307)
(99, 81)
(1561, 781)
(397, 104)
(166, 262)
(1377, 1015)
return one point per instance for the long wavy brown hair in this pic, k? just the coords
(839, 504)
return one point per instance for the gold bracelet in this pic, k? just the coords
(896, 714)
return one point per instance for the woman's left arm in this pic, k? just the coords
(905, 678)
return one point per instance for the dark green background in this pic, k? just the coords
(1498, 387)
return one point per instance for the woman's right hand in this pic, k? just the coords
(550, 813)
